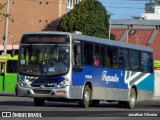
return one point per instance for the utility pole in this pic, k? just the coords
(109, 31)
(5, 37)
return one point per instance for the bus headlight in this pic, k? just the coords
(64, 83)
(23, 84)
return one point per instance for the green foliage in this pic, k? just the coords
(1, 7)
(89, 16)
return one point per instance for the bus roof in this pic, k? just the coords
(98, 40)
(8, 57)
(111, 42)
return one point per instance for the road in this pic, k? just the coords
(62, 109)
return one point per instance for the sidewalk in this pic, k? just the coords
(156, 98)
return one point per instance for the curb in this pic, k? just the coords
(7, 94)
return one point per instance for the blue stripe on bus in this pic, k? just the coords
(111, 78)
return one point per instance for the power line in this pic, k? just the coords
(121, 3)
(123, 7)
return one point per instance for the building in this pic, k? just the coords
(28, 16)
(138, 31)
(71, 3)
(152, 10)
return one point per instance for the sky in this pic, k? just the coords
(124, 9)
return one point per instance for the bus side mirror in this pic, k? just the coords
(13, 53)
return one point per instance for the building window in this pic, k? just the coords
(71, 3)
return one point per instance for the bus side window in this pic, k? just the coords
(112, 57)
(11, 66)
(123, 59)
(104, 56)
(97, 55)
(2, 68)
(88, 54)
(134, 60)
(145, 62)
(77, 54)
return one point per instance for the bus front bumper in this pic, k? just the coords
(68, 92)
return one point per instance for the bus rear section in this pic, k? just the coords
(8, 73)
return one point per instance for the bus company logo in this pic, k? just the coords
(108, 78)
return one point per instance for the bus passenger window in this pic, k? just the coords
(77, 54)
(96, 60)
(134, 60)
(112, 57)
(1, 68)
(11, 66)
(145, 62)
(104, 57)
(123, 58)
(88, 54)
(97, 55)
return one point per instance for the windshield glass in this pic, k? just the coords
(44, 59)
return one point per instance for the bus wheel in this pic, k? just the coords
(132, 99)
(86, 97)
(39, 102)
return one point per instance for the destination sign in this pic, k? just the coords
(41, 39)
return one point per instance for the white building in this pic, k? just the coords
(152, 10)
(71, 3)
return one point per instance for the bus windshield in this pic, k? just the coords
(44, 59)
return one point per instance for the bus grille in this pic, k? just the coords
(42, 91)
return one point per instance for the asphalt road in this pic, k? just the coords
(24, 107)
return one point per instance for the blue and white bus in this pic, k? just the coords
(60, 66)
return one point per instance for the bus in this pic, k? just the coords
(60, 66)
(8, 73)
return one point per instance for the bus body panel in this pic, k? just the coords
(1, 83)
(112, 84)
(8, 73)
(10, 82)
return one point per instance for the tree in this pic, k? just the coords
(1, 7)
(90, 17)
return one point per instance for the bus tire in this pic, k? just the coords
(39, 102)
(132, 99)
(85, 101)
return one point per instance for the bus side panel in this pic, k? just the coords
(1, 82)
(106, 83)
(10, 82)
(112, 84)
(147, 84)
(100, 77)
(146, 88)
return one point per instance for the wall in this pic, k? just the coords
(31, 15)
(157, 83)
